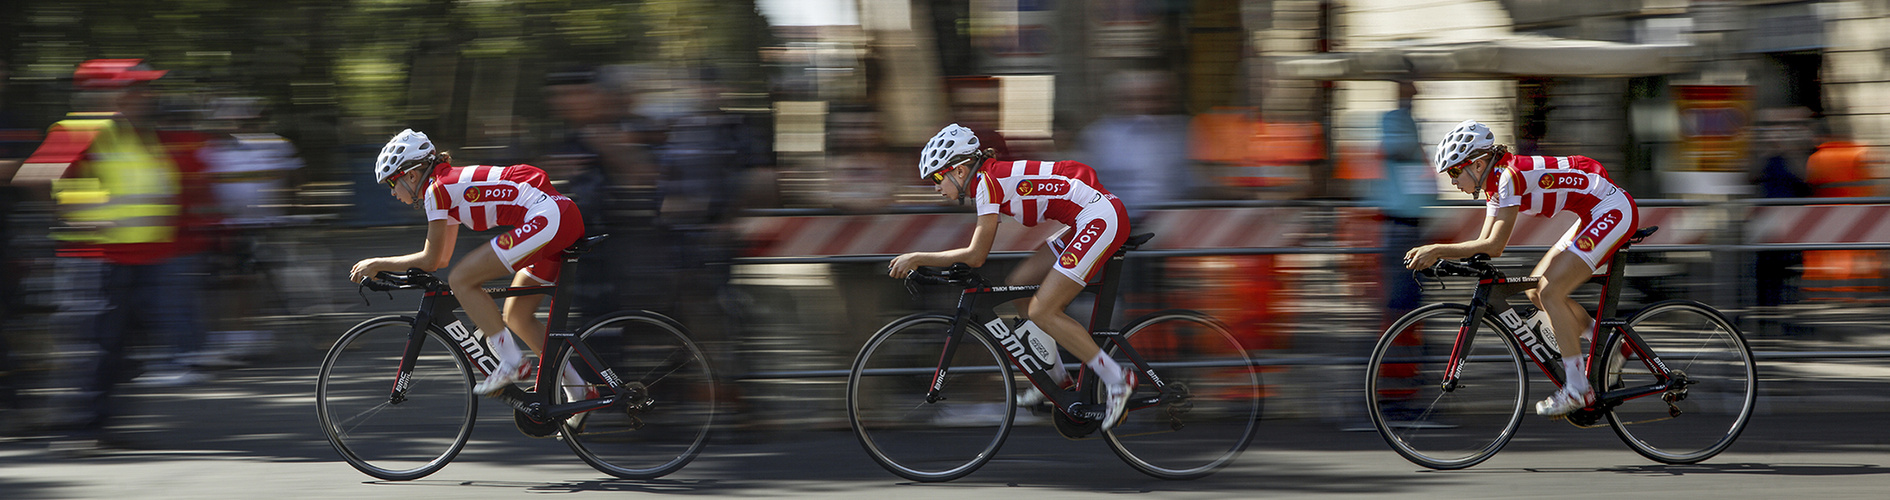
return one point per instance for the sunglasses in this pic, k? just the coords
(1453, 172)
(937, 177)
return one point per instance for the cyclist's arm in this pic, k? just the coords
(981, 239)
(441, 236)
(1490, 241)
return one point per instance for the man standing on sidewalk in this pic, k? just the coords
(115, 192)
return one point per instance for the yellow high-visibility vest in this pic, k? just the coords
(126, 181)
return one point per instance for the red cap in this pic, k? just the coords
(113, 73)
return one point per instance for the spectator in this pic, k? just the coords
(608, 172)
(250, 170)
(1782, 143)
(1401, 195)
(1140, 148)
(115, 193)
(1841, 169)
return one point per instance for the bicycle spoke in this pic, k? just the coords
(1688, 422)
(1204, 431)
(937, 440)
(1418, 418)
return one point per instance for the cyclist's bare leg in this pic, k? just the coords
(1031, 272)
(521, 313)
(1046, 309)
(468, 279)
(1561, 273)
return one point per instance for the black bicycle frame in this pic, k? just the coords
(1491, 300)
(436, 310)
(976, 313)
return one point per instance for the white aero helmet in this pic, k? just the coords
(1463, 143)
(950, 143)
(406, 151)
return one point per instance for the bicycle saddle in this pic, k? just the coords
(584, 245)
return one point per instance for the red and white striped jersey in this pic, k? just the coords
(1547, 185)
(1035, 191)
(483, 196)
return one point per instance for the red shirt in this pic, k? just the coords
(483, 197)
(1035, 191)
(1547, 185)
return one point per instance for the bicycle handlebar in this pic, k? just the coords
(389, 280)
(957, 274)
(1473, 266)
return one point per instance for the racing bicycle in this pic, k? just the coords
(395, 393)
(933, 396)
(1675, 380)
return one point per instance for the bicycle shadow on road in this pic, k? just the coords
(659, 486)
(1762, 469)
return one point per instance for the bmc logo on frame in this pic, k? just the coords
(477, 194)
(1042, 187)
(1081, 244)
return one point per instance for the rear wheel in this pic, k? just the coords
(1699, 419)
(922, 440)
(1207, 410)
(387, 425)
(1445, 427)
(662, 431)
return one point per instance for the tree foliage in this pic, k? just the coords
(339, 71)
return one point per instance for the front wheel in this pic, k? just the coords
(660, 432)
(391, 425)
(944, 438)
(1699, 419)
(1206, 411)
(1439, 426)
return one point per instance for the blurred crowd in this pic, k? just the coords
(170, 225)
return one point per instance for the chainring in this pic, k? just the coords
(534, 428)
(1070, 428)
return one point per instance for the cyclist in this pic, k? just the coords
(1542, 186)
(1032, 192)
(543, 224)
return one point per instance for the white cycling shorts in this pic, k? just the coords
(1100, 229)
(1602, 231)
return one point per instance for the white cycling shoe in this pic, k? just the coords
(1564, 402)
(506, 375)
(1119, 400)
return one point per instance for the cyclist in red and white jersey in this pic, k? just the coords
(1033, 192)
(1542, 186)
(482, 197)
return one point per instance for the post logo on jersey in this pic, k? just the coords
(522, 232)
(1577, 182)
(494, 194)
(1043, 187)
(1081, 244)
(1586, 243)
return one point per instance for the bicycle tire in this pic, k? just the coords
(1438, 428)
(929, 441)
(395, 440)
(651, 438)
(1694, 339)
(1213, 401)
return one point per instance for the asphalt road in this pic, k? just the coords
(251, 434)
